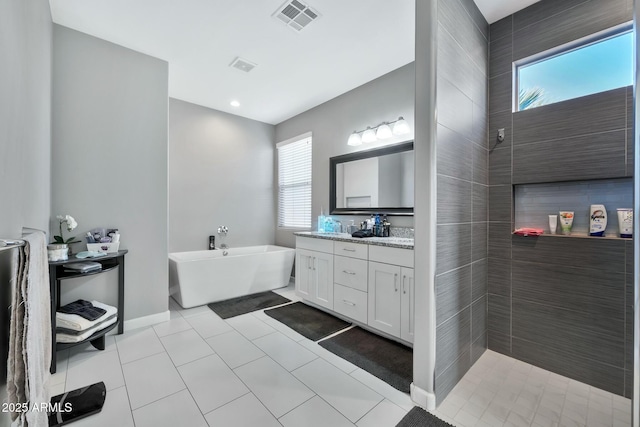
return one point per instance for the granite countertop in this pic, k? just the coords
(392, 242)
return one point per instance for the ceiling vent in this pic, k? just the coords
(242, 64)
(296, 14)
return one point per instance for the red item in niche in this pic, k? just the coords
(528, 231)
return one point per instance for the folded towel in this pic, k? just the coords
(77, 323)
(67, 331)
(83, 309)
(528, 231)
(65, 338)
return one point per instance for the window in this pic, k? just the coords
(294, 182)
(599, 63)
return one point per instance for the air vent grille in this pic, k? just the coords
(296, 14)
(242, 64)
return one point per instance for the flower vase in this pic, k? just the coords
(58, 252)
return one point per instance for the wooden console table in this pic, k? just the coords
(57, 273)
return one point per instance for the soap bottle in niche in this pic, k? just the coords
(321, 221)
(597, 220)
(212, 242)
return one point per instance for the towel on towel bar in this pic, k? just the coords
(30, 333)
(78, 323)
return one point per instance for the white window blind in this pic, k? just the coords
(294, 183)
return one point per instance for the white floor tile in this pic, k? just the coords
(186, 346)
(288, 353)
(151, 379)
(103, 366)
(397, 397)
(250, 326)
(383, 415)
(245, 411)
(208, 324)
(115, 412)
(195, 311)
(88, 350)
(315, 413)
(348, 395)
(234, 349)
(211, 382)
(138, 343)
(177, 324)
(176, 410)
(278, 326)
(276, 388)
(332, 358)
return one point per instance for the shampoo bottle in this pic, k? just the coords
(597, 220)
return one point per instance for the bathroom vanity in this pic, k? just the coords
(369, 281)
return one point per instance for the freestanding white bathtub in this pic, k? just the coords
(201, 277)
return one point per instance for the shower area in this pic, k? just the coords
(554, 312)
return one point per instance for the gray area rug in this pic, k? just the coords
(246, 304)
(418, 417)
(388, 360)
(307, 321)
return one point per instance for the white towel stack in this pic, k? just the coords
(84, 327)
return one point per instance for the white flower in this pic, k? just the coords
(71, 223)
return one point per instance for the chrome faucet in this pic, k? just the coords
(223, 230)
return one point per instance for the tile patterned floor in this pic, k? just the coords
(251, 370)
(501, 391)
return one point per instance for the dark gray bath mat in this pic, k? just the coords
(388, 360)
(418, 417)
(307, 321)
(246, 304)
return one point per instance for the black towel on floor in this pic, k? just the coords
(83, 309)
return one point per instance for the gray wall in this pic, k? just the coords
(220, 173)
(462, 191)
(109, 160)
(383, 99)
(25, 137)
(25, 115)
(559, 303)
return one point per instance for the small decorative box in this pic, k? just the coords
(103, 247)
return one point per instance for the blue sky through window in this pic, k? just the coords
(591, 69)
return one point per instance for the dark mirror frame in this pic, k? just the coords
(359, 155)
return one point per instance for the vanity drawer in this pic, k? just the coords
(350, 272)
(313, 244)
(350, 302)
(395, 256)
(353, 250)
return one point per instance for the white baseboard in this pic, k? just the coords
(141, 322)
(423, 398)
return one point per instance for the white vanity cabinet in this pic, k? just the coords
(407, 304)
(390, 296)
(370, 284)
(314, 271)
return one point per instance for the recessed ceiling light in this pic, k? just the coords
(235, 103)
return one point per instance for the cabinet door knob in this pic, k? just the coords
(395, 281)
(349, 272)
(404, 284)
(352, 304)
(348, 250)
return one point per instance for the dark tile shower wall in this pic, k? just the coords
(563, 304)
(462, 170)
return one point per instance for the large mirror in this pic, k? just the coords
(378, 180)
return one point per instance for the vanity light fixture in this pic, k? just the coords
(384, 130)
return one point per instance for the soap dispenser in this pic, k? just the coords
(321, 221)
